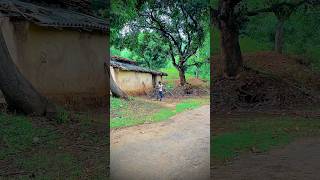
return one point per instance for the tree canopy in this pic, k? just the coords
(232, 18)
(178, 26)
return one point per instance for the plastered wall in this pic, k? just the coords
(59, 63)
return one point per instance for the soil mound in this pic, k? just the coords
(189, 90)
(194, 87)
(269, 81)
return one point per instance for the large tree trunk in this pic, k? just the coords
(231, 52)
(114, 88)
(212, 40)
(116, 91)
(20, 95)
(226, 21)
(182, 76)
(278, 46)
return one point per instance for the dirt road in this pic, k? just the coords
(171, 150)
(299, 160)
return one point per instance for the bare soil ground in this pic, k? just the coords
(299, 160)
(174, 149)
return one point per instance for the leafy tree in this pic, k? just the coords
(232, 15)
(146, 49)
(178, 23)
(151, 51)
(199, 64)
(283, 9)
(121, 13)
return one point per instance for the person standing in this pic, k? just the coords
(160, 91)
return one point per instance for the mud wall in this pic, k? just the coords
(133, 83)
(61, 64)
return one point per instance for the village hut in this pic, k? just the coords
(131, 78)
(60, 51)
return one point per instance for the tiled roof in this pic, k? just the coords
(52, 16)
(124, 60)
(133, 67)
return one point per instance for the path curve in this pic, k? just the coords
(298, 160)
(171, 150)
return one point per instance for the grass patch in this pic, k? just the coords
(46, 150)
(18, 134)
(261, 134)
(139, 111)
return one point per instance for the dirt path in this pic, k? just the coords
(174, 149)
(299, 160)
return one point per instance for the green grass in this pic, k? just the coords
(262, 134)
(139, 111)
(20, 137)
(18, 134)
(36, 146)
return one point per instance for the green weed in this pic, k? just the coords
(63, 116)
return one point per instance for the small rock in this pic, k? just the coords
(35, 140)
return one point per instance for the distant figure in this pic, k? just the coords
(160, 91)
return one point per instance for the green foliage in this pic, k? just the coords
(151, 51)
(146, 48)
(199, 63)
(121, 13)
(63, 116)
(301, 34)
(163, 31)
(125, 53)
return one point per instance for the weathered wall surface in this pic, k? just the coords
(133, 83)
(67, 64)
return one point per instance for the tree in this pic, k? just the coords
(121, 13)
(149, 50)
(232, 15)
(283, 9)
(114, 88)
(199, 64)
(179, 25)
(20, 95)
(228, 19)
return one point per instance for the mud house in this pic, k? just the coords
(60, 51)
(131, 78)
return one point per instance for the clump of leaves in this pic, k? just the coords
(63, 116)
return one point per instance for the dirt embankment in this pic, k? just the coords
(268, 81)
